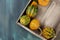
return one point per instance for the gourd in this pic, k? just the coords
(48, 32)
(25, 20)
(34, 24)
(43, 2)
(32, 10)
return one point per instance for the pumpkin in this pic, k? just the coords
(34, 24)
(43, 2)
(32, 10)
(25, 20)
(48, 32)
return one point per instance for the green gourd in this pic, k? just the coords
(32, 10)
(25, 20)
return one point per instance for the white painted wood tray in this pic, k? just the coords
(45, 14)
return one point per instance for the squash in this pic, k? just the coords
(43, 2)
(48, 32)
(25, 20)
(34, 24)
(32, 10)
(34, 3)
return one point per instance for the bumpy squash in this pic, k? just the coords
(25, 20)
(34, 25)
(48, 32)
(32, 10)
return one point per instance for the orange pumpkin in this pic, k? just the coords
(34, 25)
(43, 2)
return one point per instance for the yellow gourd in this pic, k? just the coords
(34, 3)
(48, 32)
(34, 25)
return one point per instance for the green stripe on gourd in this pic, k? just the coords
(25, 20)
(31, 11)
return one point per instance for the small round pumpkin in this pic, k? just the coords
(25, 20)
(32, 10)
(43, 2)
(34, 25)
(48, 32)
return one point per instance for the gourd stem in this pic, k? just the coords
(40, 30)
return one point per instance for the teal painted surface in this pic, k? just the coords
(9, 13)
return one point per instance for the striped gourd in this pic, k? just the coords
(25, 20)
(48, 32)
(32, 10)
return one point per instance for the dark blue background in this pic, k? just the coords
(9, 13)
